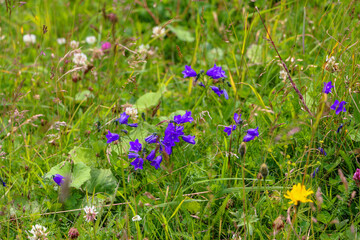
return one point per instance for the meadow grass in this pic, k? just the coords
(57, 109)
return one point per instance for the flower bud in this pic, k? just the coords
(264, 170)
(73, 233)
(242, 149)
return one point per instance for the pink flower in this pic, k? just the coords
(106, 46)
(356, 176)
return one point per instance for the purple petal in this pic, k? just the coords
(336, 103)
(156, 163)
(138, 163)
(189, 139)
(151, 155)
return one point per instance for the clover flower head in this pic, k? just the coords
(79, 58)
(58, 179)
(251, 134)
(132, 112)
(111, 137)
(105, 46)
(136, 218)
(74, 44)
(283, 75)
(90, 40)
(61, 41)
(189, 72)
(356, 176)
(90, 213)
(338, 107)
(158, 32)
(38, 232)
(29, 39)
(228, 129)
(216, 72)
(327, 87)
(298, 194)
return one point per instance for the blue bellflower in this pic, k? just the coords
(58, 179)
(216, 72)
(189, 72)
(2, 182)
(229, 129)
(338, 106)
(151, 156)
(138, 163)
(152, 138)
(201, 84)
(189, 139)
(315, 172)
(111, 137)
(251, 134)
(220, 92)
(123, 118)
(327, 87)
(178, 119)
(237, 118)
(135, 148)
(322, 151)
(156, 162)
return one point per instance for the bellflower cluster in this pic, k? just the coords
(237, 119)
(338, 106)
(173, 132)
(327, 87)
(251, 134)
(216, 72)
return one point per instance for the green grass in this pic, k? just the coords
(201, 191)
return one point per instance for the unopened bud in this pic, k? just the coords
(264, 170)
(242, 149)
(73, 233)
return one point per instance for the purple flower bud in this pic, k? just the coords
(151, 139)
(111, 137)
(151, 156)
(106, 46)
(322, 151)
(156, 163)
(189, 72)
(356, 176)
(58, 179)
(189, 139)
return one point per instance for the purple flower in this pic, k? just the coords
(322, 151)
(151, 155)
(167, 147)
(138, 163)
(189, 72)
(315, 172)
(133, 155)
(123, 118)
(189, 139)
(251, 134)
(111, 137)
(3, 183)
(356, 176)
(338, 106)
(229, 129)
(135, 146)
(216, 72)
(226, 95)
(132, 124)
(152, 138)
(217, 90)
(339, 128)
(156, 163)
(178, 119)
(106, 46)
(201, 84)
(327, 87)
(58, 179)
(237, 118)
(172, 134)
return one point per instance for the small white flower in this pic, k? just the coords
(61, 41)
(283, 74)
(79, 59)
(136, 218)
(90, 40)
(158, 32)
(29, 38)
(38, 232)
(143, 48)
(74, 44)
(90, 213)
(132, 112)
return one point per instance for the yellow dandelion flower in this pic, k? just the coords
(298, 194)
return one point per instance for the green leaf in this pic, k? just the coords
(62, 168)
(148, 100)
(83, 96)
(84, 155)
(182, 34)
(81, 174)
(102, 180)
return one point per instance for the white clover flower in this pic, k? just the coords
(283, 75)
(74, 44)
(136, 218)
(331, 64)
(79, 59)
(90, 213)
(29, 38)
(61, 41)
(90, 40)
(38, 232)
(143, 49)
(158, 32)
(132, 112)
